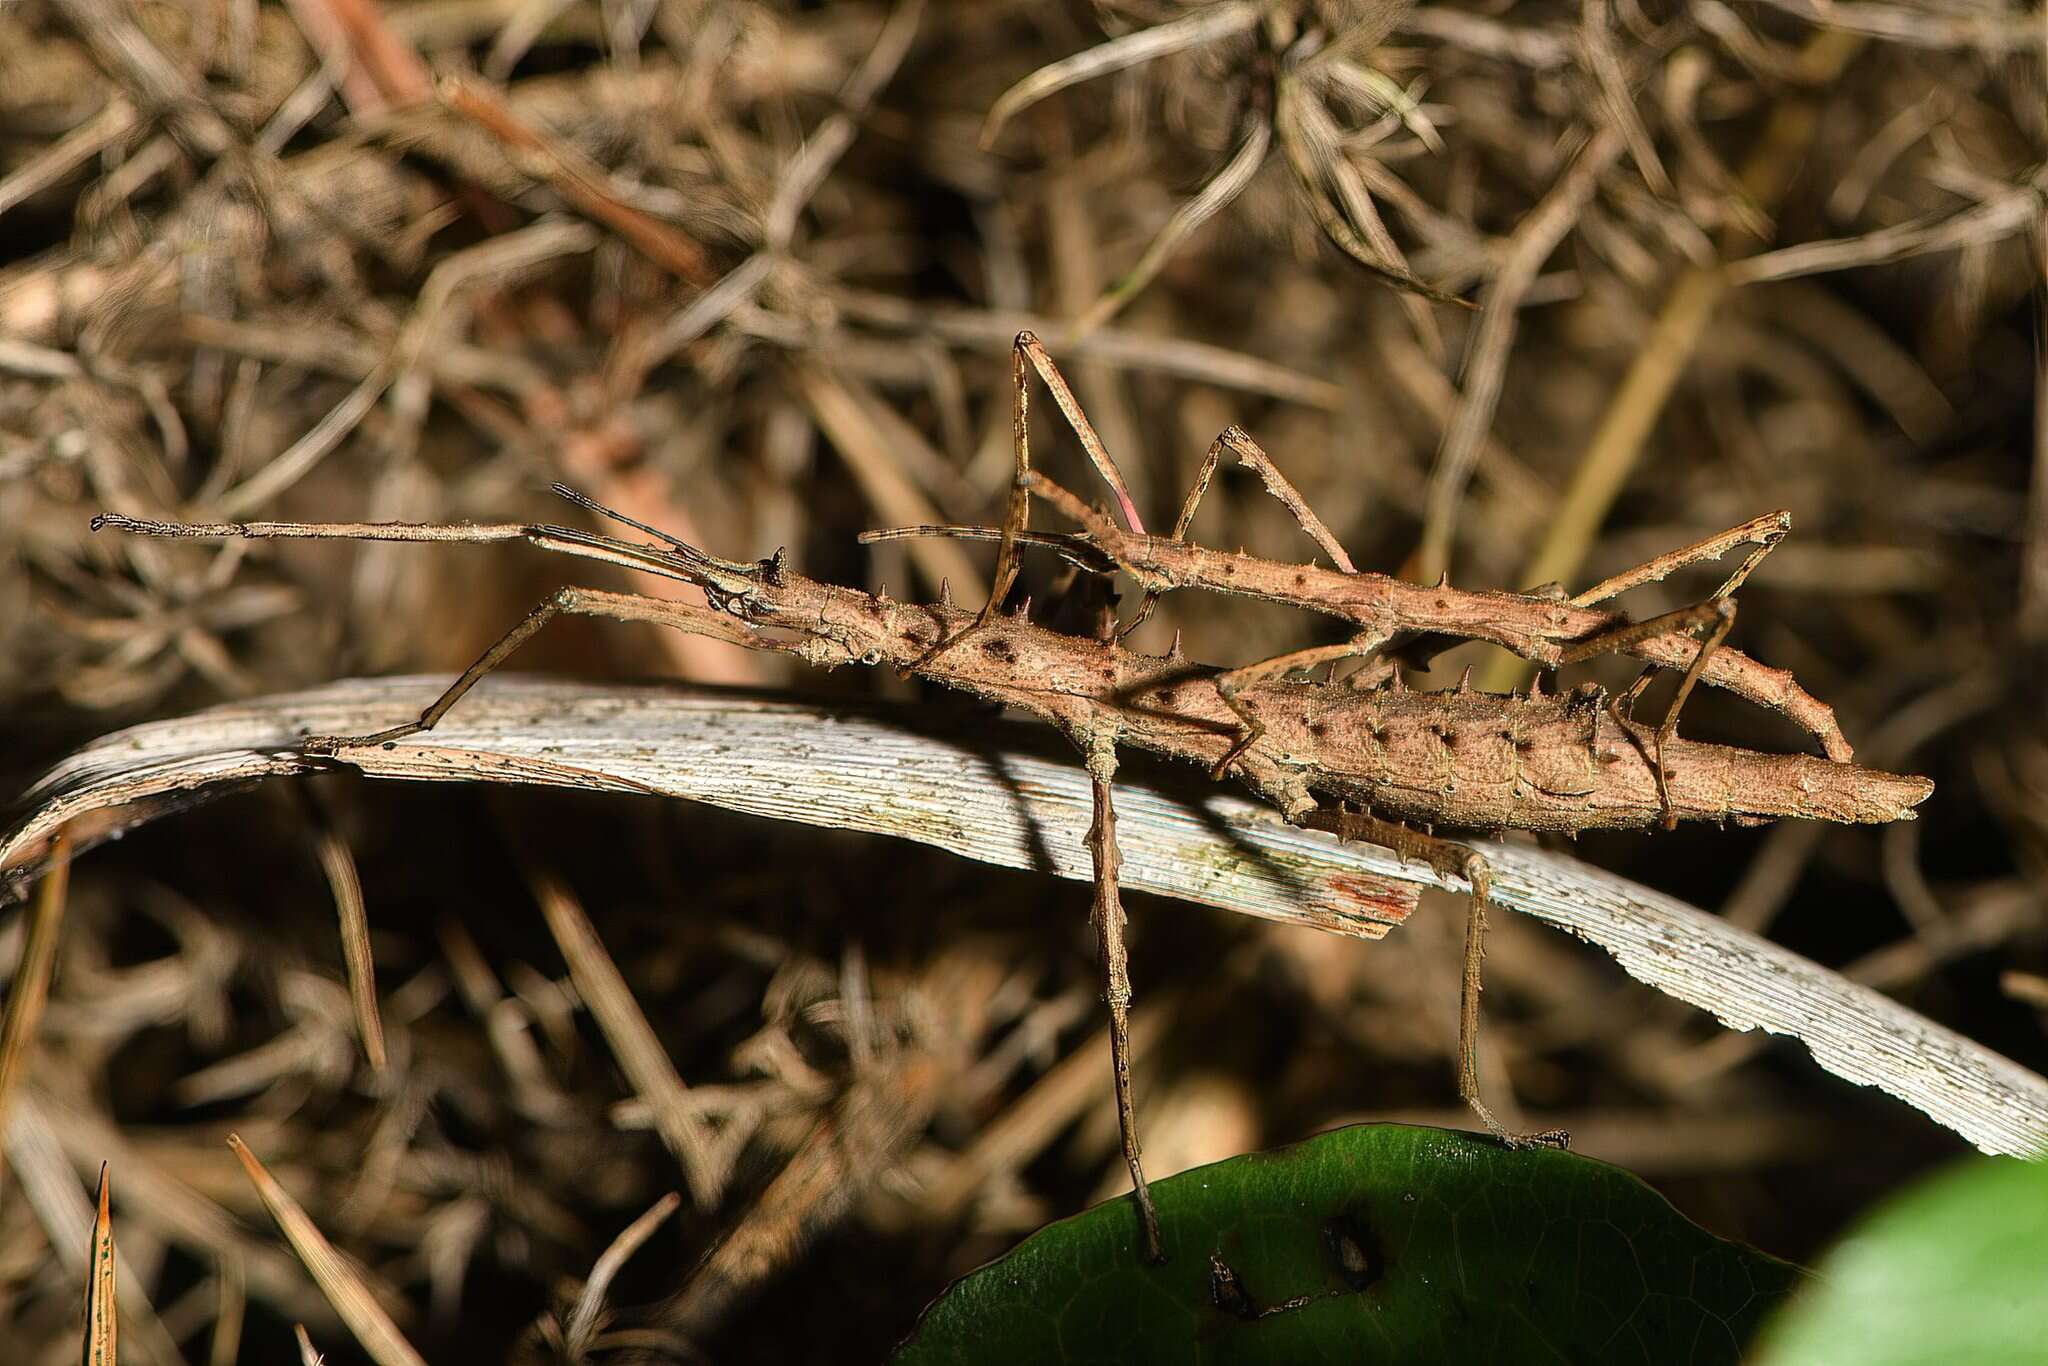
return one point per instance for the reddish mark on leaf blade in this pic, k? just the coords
(1357, 894)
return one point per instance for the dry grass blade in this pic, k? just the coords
(2012, 211)
(1528, 45)
(338, 865)
(50, 1188)
(102, 1329)
(995, 331)
(1226, 185)
(1207, 25)
(160, 82)
(320, 441)
(339, 1281)
(582, 1326)
(988, 794)
(1533, 241)
(1031, 1122)
(639, 1053)
(231, 1311)
(1631, 414)
(859, 1139)
(504, 256)
(391, 62)
(582, 184)
(30, 990)
(1342, 206)
(307, 1356)
(704, 312)
(859, 439)
(829, 141)
(1990, 30)
(1596, 39)
(69, 152)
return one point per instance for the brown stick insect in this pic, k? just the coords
(1356, 759)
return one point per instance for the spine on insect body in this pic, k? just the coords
(1566, 764)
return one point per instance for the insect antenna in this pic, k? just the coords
(589, 504)
(706, 570)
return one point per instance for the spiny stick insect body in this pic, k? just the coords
(1355, 761)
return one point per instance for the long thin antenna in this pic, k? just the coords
(589, 504)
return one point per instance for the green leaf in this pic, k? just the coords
(1377, 1243)
(1954, 1271)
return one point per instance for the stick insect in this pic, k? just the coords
(1355, 761)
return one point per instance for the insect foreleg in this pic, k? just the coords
(1016, 516)
(1455, 860)
(592, 602)
(1027, 354)
(1029, 348)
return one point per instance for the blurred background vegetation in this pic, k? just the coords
(750, 271)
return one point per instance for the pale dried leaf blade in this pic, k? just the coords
(1225, 186)
(583, 1318)
(337, 1280)
(1204, 26)
(895, 771)
(640, 1054)
(339, 866)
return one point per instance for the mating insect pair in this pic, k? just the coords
(1358, 761)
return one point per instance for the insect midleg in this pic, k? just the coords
(1249, 452)
(1254, 457)
(1668, 727)
(1181, 524)
(1456, 860)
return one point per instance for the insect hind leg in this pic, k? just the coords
(1455, 860)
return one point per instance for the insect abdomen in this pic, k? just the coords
(1481, 761)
